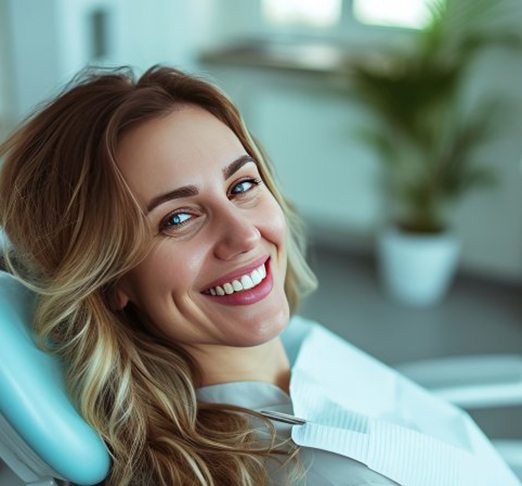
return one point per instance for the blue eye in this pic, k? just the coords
(245, 186)
(177, 219)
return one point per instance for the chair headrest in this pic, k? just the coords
(33, 398)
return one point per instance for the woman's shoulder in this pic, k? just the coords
(324, 468)
(328, 468)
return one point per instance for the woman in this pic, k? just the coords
(167, 264)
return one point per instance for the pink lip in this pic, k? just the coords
(237, 273)
(247, 297)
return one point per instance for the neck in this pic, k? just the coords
(267, 362)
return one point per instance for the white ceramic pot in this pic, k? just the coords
(417, 269)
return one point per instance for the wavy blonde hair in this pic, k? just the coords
(61, 194)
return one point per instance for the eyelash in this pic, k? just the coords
(164, 225)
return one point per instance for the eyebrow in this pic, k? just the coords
(188, 191)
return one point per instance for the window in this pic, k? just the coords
(395, 13)
(314, 13)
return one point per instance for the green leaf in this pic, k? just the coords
(380, 141)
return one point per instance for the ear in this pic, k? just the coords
(119, 298)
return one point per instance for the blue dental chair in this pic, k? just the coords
(43, 439)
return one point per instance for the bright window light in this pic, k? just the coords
(316, 13)
(395, 13)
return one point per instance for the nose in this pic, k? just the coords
(237, 234)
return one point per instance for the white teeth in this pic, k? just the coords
(246, 282)
(228, 288)
(256, 277)
(262, 271)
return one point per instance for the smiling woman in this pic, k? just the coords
(166, 261)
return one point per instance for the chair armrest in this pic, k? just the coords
(471, 382)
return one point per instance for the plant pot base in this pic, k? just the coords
(417, 270)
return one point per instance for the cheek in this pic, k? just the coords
(166, 271)
(275, 230)
(275, 223)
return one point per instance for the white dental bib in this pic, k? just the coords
(363, 422)
(358, 407)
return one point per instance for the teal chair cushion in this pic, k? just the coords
(34, 402)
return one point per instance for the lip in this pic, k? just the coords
(247, 297)
(237, 273)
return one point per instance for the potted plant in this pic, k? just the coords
(427, 139)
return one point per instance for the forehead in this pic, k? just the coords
(176, 149)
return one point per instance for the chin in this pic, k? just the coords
(257, 333)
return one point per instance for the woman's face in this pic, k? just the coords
(215, 222)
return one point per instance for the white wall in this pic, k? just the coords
(489, 222)
(165, 31)
(52, 40)
(5, 109)
(34, 52)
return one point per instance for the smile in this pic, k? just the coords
(248, 291)
(240, 284)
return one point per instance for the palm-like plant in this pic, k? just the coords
(422, 134)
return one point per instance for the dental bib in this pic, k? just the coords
(355, 406)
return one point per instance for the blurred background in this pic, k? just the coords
(384, 119)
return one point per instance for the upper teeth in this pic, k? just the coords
(244, 282)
